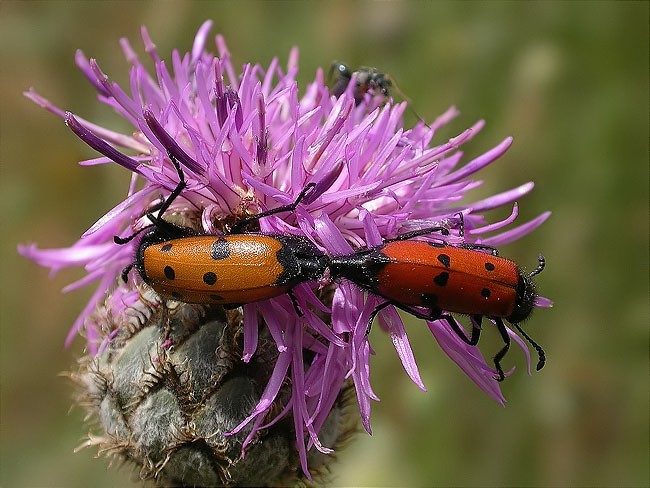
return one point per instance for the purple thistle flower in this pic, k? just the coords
(248, 142)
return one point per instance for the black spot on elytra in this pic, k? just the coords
(220, 249)
(166, 247)
(444, 259)
(441, 279)
(489, 266)
(170, 274)
(485, 293)
(209, 278)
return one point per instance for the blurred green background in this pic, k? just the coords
(568, 80)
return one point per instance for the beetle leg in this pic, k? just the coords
(374, 313)
(125, 272)
(540, 352)
(460, 332)
(159, 222)
(294, 301)
(123, 240)
(182, 184)
(471, 246)
(499, 356)
(480, 247)
(417, 233)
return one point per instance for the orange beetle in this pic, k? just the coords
(228, 270)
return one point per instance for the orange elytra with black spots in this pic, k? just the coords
(227, 270)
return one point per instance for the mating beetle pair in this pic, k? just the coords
(426, 279)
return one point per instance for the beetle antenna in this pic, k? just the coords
(541, 263)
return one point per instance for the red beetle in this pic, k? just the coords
(432, 279)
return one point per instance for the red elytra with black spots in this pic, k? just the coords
(451, 278)
(441, 277)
